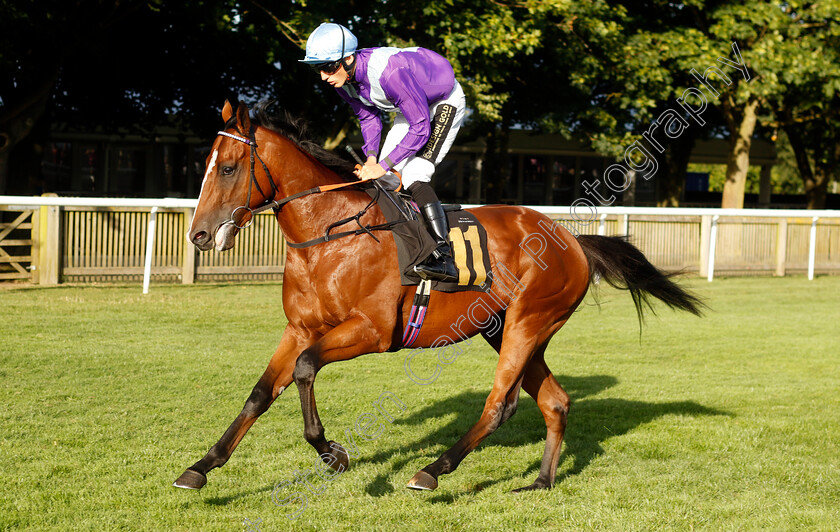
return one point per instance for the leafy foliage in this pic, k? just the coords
(597, 71)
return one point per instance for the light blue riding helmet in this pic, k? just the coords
(329, 42)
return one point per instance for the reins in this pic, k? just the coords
(361, 230)
(277, 205)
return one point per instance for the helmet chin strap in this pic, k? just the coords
(349, 68)
(342, 59)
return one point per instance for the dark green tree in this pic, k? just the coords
(136, 66)
(804, 95)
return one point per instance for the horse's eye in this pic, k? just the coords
(227, 170)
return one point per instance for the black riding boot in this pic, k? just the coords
(439, 266)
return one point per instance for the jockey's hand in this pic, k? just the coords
(371, 170)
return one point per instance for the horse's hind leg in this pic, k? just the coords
(554, 403)
(514, 356)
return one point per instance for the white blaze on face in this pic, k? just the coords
(224, 236)
(210, 168)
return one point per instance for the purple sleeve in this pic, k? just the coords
(369, 121)
(402, 88)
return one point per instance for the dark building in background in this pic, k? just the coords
(544, 169)
(93, 164)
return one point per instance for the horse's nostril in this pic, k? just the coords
(199, 236)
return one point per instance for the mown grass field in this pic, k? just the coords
(730, 422)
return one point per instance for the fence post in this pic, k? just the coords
(190, 251)
(812, 248)
(781, 247)
(49, 243)
(705, 230)
(35, 250)
(712, 246)
(602, 225)
(150, 249)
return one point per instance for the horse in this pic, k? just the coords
(343, 297)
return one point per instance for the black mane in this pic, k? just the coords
(270, 116)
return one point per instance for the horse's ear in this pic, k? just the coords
(242, 118)
(227, 111)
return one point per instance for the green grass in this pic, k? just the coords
(722, 423)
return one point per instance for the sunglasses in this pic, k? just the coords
(328, 68)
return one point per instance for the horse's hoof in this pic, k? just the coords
(191, 480)
(423, 481)
(535, 486)
(342, 461)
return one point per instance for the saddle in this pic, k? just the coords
(467, 236)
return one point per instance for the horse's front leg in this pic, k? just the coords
(352, 338)
(277, 376)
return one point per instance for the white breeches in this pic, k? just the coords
(416, 168)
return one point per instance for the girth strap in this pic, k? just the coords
(418, 313)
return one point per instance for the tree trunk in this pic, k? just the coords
(814, 178)
(741, 127)
(17, 122)
(5, 151)
(504, 156)
(670, 180)
(817, 192)
(496, 168)
(490, 169)
(13, 131)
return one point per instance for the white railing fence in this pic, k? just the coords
(701, 226)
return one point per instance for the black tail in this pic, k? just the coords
(623, 266)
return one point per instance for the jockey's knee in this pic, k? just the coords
(417, 169)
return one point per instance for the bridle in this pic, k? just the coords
(270, 203)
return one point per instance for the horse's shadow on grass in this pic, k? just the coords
(591, 422)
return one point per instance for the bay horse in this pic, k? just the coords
(343, 298)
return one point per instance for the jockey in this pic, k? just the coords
(420, 86)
